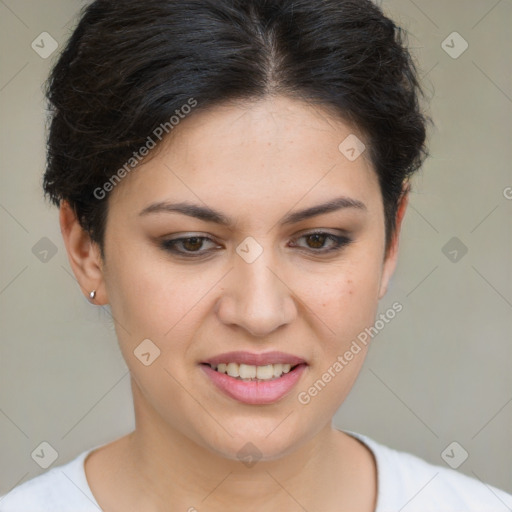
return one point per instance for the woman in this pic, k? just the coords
(232, 176)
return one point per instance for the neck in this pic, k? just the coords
(169, 468)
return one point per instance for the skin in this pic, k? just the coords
(254, 162)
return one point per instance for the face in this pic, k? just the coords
(273, 288)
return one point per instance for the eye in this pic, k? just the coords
(317, 239)
(191, 245)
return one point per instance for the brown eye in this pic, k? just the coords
(192, 244)
(316, 242)
(317, 239)
(187, 246)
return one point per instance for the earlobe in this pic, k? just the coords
(83, 255)
(392, 255)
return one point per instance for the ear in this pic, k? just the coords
(83, 254)
(392, 253)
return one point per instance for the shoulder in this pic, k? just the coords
(62, 488)
(408, 483)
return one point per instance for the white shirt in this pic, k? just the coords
(406, 483)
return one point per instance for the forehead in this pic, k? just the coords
(236, 156)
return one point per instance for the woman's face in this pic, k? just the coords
(257, 285)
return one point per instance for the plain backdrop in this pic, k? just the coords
(438, 373)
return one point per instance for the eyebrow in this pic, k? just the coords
(208, 214)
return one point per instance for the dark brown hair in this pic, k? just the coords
(130, 65)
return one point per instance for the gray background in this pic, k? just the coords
(439, 372)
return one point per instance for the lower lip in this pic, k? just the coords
(255, 392)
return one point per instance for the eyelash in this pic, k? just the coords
(340, 243)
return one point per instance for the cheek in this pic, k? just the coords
(151, 292)
(141, 300)
(346, 305)
(345, 300)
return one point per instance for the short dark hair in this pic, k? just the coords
(130, 65)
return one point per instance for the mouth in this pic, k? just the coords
(254, 378)
(251, 373)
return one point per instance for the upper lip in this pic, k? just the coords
(255, 359)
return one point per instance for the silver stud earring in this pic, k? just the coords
(92, 295)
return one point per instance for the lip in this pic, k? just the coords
(254, 392)
(255, 359)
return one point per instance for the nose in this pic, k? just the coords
(256, 297)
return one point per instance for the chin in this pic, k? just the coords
(259, 439)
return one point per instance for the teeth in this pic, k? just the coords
(247, 371)
(278, 369)
(251, 372)
(265, 372)
(233, 370)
